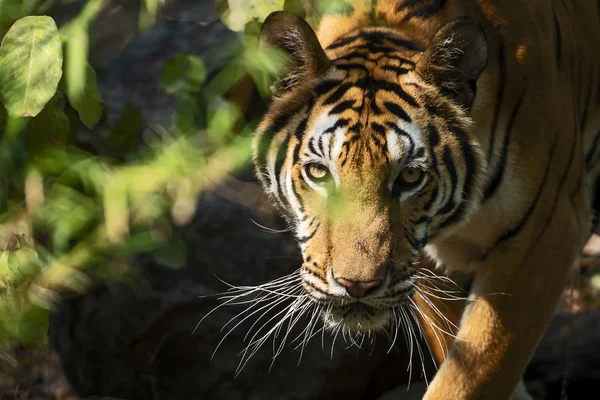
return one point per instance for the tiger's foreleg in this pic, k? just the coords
(514, 296)
(441, 304)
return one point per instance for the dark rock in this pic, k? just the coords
(568, 358)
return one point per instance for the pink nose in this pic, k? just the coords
(358, 289)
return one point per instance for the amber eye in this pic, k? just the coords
(408, 178)
(317, 172)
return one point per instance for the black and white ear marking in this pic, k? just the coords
(295, 37)
(455, 57)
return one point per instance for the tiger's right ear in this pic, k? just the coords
(291, 34)
(455, 57)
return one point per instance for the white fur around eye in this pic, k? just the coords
(316, 186)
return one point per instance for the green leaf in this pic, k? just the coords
(88, 102)
(49, 129)
(223, 116)
(18, 266)
(237, 13)
(186, 72)
(124, 135)
(76, 46)
(33, 326)
(30, 65)
(190, 113)
(76, 51)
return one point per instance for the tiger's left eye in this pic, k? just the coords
(410, 176)
(408, 179)
(317, 172)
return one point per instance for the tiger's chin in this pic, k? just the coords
(357, 317)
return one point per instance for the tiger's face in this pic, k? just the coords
(368, 155)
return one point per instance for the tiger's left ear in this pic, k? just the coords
(294, 36)
(455, 57)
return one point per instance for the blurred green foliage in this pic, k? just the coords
(30, 65)
(72, 214)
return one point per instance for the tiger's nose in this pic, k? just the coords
(358, 289)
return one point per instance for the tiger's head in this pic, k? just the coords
(367, 152)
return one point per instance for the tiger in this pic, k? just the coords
(460, 134)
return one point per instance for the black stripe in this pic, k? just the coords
(267, 137)
(427, 10)
(586, 106)
(279, 160)
(374, 107)
(313, 287)
(397, 70)
(396, 58)
(296, 151)
(408, 234)
(299, 132)
(374, 48)
(512, 232)
(451, 167)
(378, 128)
(263, 152)
(313, 149)
(304, 239)
(421, 220)
(589, 158)
(341, 107)
(360, 52)
(325, 86)
(498, 173)
(381, 147)
(338, 93)
(558, 47)
(434, 140)
(346, 147)
(295, 190)
(499, 97)
(340, 123)
(276, 125)
(322, 144)
(397, 111)
(470, 168)
(349, 66)
(556, 195)
(379, 37)
(433, 197)
(342, 42)
(378, 84)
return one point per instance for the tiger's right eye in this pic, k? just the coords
(317, 172)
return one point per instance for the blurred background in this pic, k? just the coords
(127, 201)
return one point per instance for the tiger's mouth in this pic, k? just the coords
(356, 317)
(362, 316)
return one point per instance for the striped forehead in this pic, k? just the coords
(329, 138)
